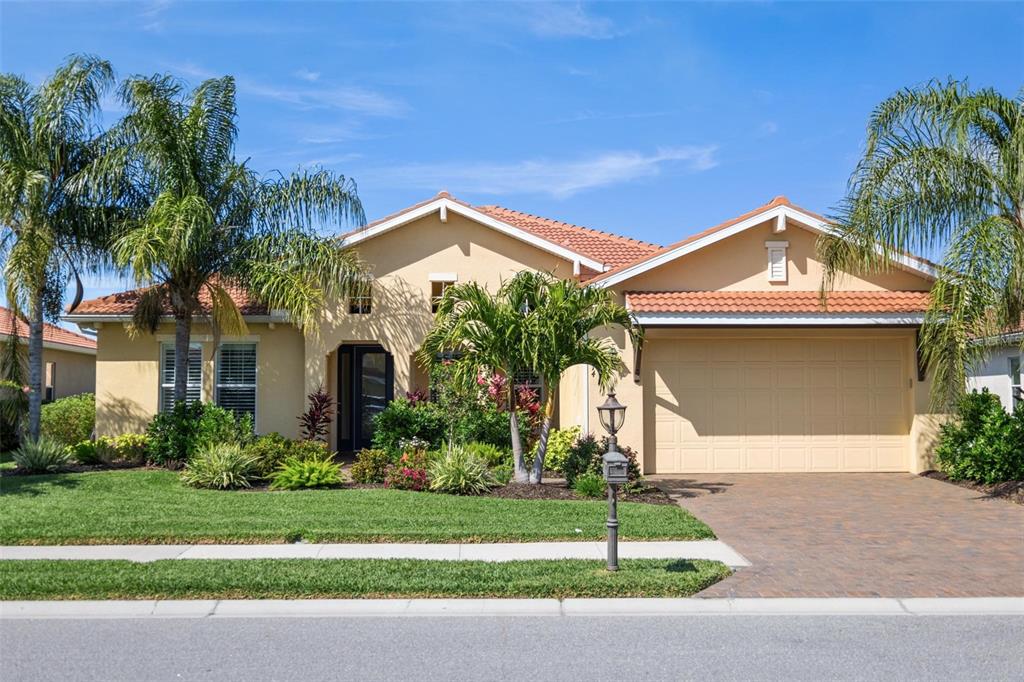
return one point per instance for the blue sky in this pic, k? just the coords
(651, 120)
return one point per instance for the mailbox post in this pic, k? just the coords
(616, 472)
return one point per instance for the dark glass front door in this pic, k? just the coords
(366, 384)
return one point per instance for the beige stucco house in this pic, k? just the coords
(743, 369)
(69, 359)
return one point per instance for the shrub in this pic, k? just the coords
(316, 420)
(589, 484)
(403, 420)
(503, 473)
(85, 452)
(985, 443)
(222, 466)
(269, 451)
(128, 448)
(491, 454)
(177, 435)
(371, 466)
(312, 472)
(409, 473)
(560, 441)
(461, 472)
(304, 450)
(580, 457)
(70, 420)
(41, 456)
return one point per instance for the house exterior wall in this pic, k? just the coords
(75, 372)
(994, 374)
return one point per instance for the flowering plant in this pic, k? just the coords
(410, 473)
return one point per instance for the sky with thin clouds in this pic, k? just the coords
(651, 120)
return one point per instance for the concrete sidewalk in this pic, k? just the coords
(714, 550)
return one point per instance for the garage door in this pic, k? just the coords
(736, 405)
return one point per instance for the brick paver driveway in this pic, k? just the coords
(858, 535)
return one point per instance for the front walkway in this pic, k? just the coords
(713, 550)
(858, 535)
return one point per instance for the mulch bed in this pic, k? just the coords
(557, 490)
(75, 469)
(1012, 491)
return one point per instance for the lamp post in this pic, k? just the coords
(616, 471)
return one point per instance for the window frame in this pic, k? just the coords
(360, 302)
(163, 386)
(1015, 370)
(217, 385)
(435, 299)
(49, 381)
(779, 249)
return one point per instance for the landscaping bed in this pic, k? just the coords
(1012, 491)
(352, 578)
(153, 506)
(557, 490)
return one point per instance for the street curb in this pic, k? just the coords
(319, 608)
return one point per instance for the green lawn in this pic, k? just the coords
(154, 507)
(345, 578)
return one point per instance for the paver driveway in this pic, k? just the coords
(858, 535)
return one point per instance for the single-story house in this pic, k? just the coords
(1000, 373)
(69, 359)
(743, 370)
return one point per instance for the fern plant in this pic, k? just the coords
(296, 473)
(461, 472)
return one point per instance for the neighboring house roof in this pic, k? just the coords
(124, 303)
(53, 336)
(753, 302)
(780, 208)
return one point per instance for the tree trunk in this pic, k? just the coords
(521, 474)
(35, 366)
(542, 442)
(182, 336)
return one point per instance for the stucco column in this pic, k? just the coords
(316, 365)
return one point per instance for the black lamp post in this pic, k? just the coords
(616, 471)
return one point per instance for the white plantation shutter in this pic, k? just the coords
(194, 391)
(777, 264)
(236, 378)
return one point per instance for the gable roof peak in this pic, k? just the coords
(780, 200)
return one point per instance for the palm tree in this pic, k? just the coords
(535, 323)
(201, 221)
(943, 169)
(47, 139)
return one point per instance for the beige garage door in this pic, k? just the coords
(820, 404)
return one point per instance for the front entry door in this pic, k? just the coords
(366, 384)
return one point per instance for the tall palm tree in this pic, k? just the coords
(535, 323)
(202, 221)
(47, 140)
(943, 169)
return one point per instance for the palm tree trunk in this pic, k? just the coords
(521, 474)
(542, 442)
(35, 366)
(182, 336)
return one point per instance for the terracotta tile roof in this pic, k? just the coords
(604, 247)
(9, 325)
(123, 303)
(776, 302)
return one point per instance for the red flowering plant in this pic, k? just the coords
(409, 473)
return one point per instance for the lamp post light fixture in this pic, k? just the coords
(616, 471)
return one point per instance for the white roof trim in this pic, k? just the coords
(444, 204)
(777, 212)
(777, 319)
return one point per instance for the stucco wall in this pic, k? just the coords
(75, 372)
(128, 376)
(994, 374)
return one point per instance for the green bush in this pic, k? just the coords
(177, 435)
(371, 466)
(128, 448)
(409, 472)
(503, 473)
(492, 454)
(223, 466)
(269, 451)
(309, 450)
(560, 442)
(70, 420)
(404, 420)
(589, 484)
(85, 452)
(41, 456)
(313, 472)
(461, 472)
(984, 443)
(580, 458)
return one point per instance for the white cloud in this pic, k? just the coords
(557, 20)
(307, 75)
(152, 15)
(545, 176)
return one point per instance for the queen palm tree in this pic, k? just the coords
(943, 170)
(535, 323)
(47, 140)
(201, 221)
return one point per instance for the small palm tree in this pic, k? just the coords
(201, 221)
(943, 169)
(47, 141)
(535, 323)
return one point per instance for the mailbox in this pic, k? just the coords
(616, 468)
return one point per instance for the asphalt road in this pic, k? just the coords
(522, 648)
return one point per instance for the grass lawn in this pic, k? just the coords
(346, 578)
(124, 507)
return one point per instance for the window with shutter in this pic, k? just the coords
(194, 390)
(236, 378)
(777, 261)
